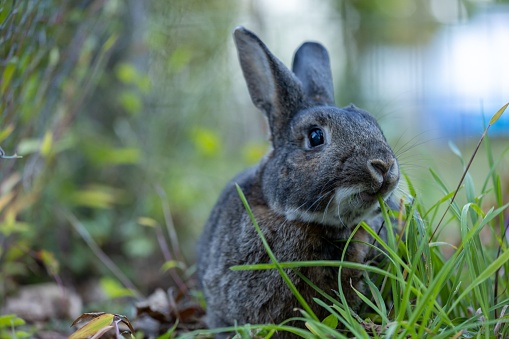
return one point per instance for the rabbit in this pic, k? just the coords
(322, 177)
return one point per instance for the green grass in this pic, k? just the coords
(420, 292)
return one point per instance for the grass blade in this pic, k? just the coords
(280, 269)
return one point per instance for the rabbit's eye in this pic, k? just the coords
(315, 137)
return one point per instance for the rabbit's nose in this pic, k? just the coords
(381, 170)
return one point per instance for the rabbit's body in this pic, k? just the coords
(263, 296)
(323, 176)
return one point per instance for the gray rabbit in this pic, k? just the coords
(323, 176)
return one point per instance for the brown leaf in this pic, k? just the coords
(187, 313)
(148, 311)
(99, 324)
(126, 321)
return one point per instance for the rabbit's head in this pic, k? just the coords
(328, 165)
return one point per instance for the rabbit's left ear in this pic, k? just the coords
(273, 87)
(312, 66)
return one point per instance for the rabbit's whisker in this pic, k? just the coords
(327, 208)
(319, 199)
(325, 187)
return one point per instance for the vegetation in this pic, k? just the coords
(92, 168)
(50, 116)
(464, 295)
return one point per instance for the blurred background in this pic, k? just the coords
(131, 115)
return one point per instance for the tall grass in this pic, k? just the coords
(420, 291)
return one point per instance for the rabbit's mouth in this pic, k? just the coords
(368, 197)
(352, 208)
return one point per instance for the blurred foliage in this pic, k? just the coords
(56, 57)
(116, 118)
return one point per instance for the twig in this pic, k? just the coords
(3, 156)
(78, 226)
(172, 234)
(170, 226)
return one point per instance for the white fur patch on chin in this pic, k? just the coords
(315, 217)
(347, 193)
(344, 210)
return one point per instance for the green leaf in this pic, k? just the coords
(179, 59)
(138, 247)
(5, 9)
(330, 321)
(498, 114)
(129, 75)
(469, 188)
(113, 289)
(54, 56)
(10, 320)
(172, 264)
(9, 227)
(170, 333)
(22, 334)
(253, 152)
(439, 181)
(46, 144)
(410, 186)
(6, 132)
(96, 196)
(206, 141)
(8, 73)
(49, 261)
(126, 73)
(130, 101)
(28, 146)
(149, 222)
(110, 42)
(102, 154)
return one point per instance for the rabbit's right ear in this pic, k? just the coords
(311, 65)
(273, 87)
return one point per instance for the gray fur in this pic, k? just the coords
(311, 65)
(306, 199)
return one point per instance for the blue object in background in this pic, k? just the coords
(467, 76)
